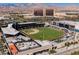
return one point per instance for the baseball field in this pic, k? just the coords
(43, 33)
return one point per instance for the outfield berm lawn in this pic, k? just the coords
(44, 33)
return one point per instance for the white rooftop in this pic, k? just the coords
(27, 22)
(26, 45)
(69, 22)
(23, 37)
(74, 23)
(9, 30)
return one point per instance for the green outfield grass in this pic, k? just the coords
(45, 33)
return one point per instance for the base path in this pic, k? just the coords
(34, 31)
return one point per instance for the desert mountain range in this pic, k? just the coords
(28, 7)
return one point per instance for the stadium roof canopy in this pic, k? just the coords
(72, 23)
(68, 22)
(9, 30)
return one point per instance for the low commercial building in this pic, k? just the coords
(36, 50)
(72, 25)
(66, 13)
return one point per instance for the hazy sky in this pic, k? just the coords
(49, 4)
(63, 4)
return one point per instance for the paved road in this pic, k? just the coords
(68, 52)
(31, 51)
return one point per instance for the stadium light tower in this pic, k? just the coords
(76, 30)
(76, 35)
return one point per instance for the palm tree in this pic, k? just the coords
(67, 44)
(51, 51)
(76, 42)
(72, 42)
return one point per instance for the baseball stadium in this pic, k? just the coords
(40, 31)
